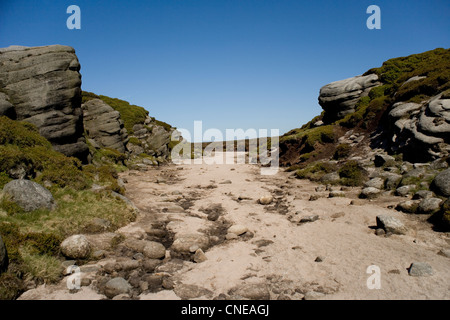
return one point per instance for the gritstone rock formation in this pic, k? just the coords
(42, 85)
(104, 126)
(339, 98)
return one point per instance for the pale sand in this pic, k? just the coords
(341, 237)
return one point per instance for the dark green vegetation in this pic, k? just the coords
(33, 238)
(342, 151)
(435, 65)
(316, 170)
(22, 149)
(352, 174)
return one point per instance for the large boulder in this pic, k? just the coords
(42, 85)
(104, 126)
(441, 183)
(339, 98)
(29, 195)
(3, 256)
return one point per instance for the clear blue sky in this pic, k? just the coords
(233, 64)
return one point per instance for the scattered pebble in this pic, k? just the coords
(265, 200)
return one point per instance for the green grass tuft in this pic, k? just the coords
(352, 174)
(315, 171)
(342, 151)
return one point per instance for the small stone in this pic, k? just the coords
(231, 236)
(154, 250)
(122, 297)
(392, 181)
(184, 242)
(237, 229)
(200, 256)
(319, 259)
(112, 267)
(330, 177)
(444, 252)
(380, 232)
(337, 215)
(314, 197)
(76, 247)
(213, 216)
(310, 218)
(429, 206)
(138, 256)
(441, 183)
(422, 194)
(420, 269)
(383, 160)
(394, 271)
(190, 291)
(172, 208)
(404, 190)
(408, 206)
(143, 285)
(98, 254)
(252, 291)
(117, 286)
(377, 182)
(149, 265)
(369, 193)
(85, 282)
(320, 188)
(88, 268)
(242, 197)
(168, 283)
(335, 194)
(194, 248)
(225, 182)
(154, 281)
(130, 264)
(265, 200)
(391, 224)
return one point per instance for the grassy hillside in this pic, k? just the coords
(32, 238)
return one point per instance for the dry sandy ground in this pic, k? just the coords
(277, 253)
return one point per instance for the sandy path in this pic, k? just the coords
(278, 257)
(341, 237)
